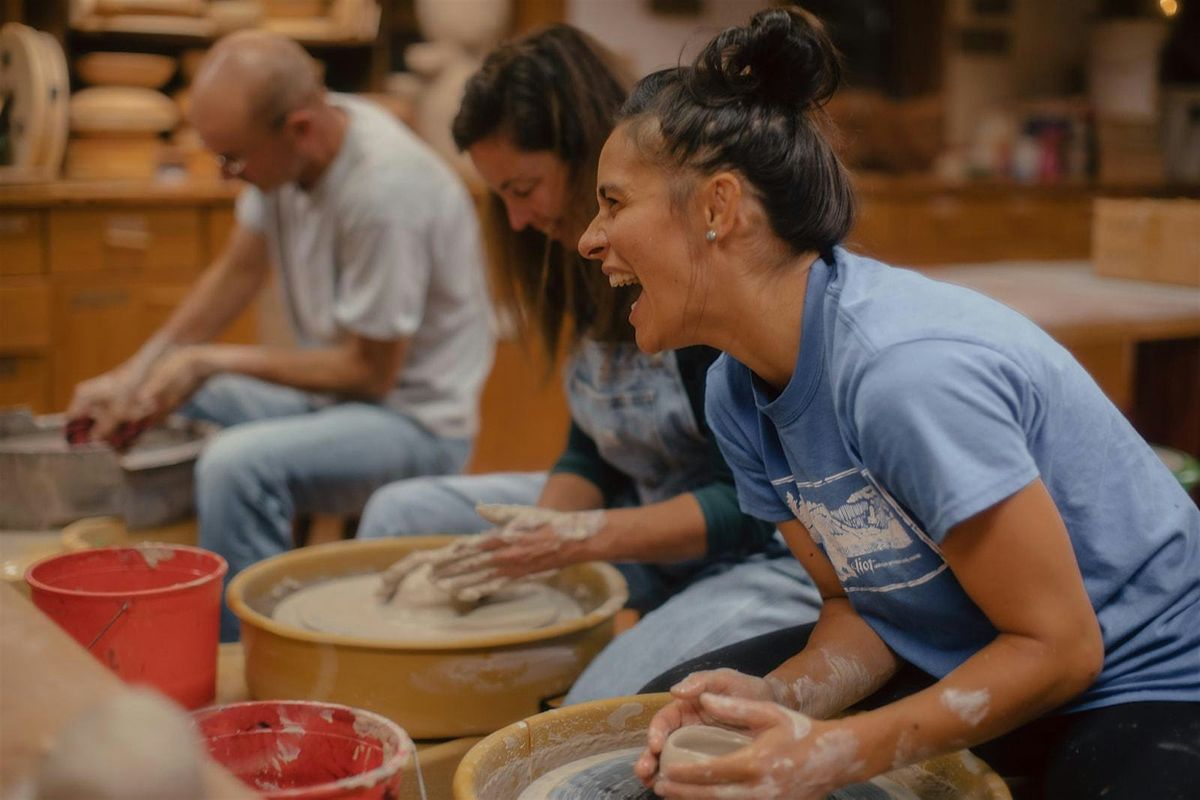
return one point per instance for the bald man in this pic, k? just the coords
(378, 256)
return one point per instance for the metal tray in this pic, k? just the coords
(45, 483)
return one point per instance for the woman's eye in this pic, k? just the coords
(523, 193)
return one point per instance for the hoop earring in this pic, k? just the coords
(710, 236)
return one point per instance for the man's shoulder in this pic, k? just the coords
(390, 167)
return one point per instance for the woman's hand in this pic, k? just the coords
(530, 545)
(687, 709)
(792, 757)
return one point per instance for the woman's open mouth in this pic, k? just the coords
(617, 279)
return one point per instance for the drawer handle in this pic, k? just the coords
(99, 298)
(127, 233)
(16, 224)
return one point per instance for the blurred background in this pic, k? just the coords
(1062, 136)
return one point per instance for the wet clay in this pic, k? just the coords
(696, 743)
(350, 606)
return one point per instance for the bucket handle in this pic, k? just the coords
(420, 777)
(124, 607)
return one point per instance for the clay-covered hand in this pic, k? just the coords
(393, 576)
(106, 408)
(529, 543)
(686, 709)
(792, 757)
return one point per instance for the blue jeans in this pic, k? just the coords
(284, 453)
(724, 603)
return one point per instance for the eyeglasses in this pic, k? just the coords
(233, 167)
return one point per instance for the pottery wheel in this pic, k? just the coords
(349, 606)
(609, 776)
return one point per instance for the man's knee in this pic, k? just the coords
(232, 462)
(401, 508)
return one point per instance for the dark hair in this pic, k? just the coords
(753, 102)
(554, 90)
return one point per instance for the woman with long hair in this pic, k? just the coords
(641, 481)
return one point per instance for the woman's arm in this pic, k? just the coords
(1016, 563)
(844, 660)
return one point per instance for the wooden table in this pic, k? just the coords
(46, 682)
(1139, 340)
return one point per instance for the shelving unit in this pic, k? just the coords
(353, 66)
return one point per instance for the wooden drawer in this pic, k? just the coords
(97, 325)
(86, 240)
(21, 243)
(25, 381)
(24, 315)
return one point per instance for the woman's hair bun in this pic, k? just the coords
(783, 56)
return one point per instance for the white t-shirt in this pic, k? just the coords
(387, 246)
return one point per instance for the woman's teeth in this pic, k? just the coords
(616, 280)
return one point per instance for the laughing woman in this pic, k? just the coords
(641, 481)
(970, 504)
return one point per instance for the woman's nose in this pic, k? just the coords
(593, 242)
(518, 216)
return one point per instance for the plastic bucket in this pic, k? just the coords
(151, 612)
(303, 750)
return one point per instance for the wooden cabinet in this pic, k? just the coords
(89, 271)
(915, 223)
(96, 321)
(25, 315)
(165, 240)
(25, 381)
(21, 250)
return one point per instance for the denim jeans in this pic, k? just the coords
(725, 603)
(284, 453)
(635, 408)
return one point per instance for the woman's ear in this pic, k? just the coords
(721, 200)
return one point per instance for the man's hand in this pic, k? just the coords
(106, 408)
(173, 379)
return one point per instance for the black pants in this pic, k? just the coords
(1134, 751)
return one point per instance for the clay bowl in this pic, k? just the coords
(126, 69)
(505, 763)
(436, 690)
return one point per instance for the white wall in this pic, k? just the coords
(649, 41)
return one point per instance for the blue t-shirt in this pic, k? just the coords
(915, 405)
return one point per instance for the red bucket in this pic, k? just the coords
(303, 750)
(151, 612)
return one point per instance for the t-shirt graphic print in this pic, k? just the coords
(864, 532)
